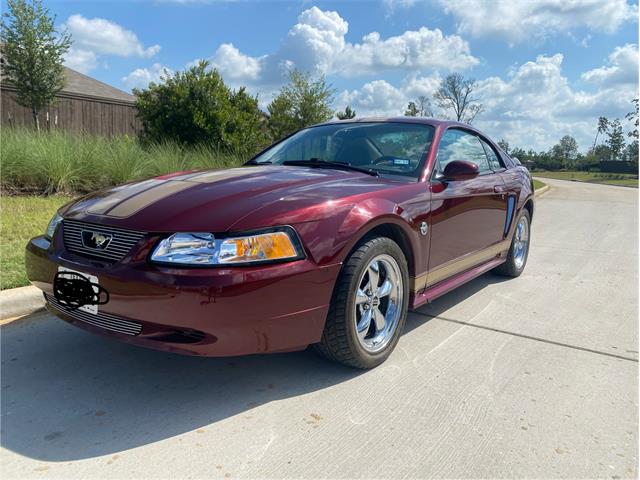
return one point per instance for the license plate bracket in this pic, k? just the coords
(78, 290)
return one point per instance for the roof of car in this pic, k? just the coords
(422, 120)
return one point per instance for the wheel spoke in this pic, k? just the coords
(385, 289)
(361, 297)
(364, 323)
(374, 276)
(378, 318)
(376, 304)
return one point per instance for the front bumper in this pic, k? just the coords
(197, 311)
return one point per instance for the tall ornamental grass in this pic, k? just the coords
(60, 162)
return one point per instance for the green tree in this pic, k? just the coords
(615, 142)
(601, 153)
(569, 149)
(633, 118)
(456, 94)
(196, 107)
(603, 126)
(302, 102)
(504, 145)
(347, 114)
(412, 110)
(33, 52)
(421, 107)
(631, 153)
(565, 151)
(518, 153)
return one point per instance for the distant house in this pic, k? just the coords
(84, 105)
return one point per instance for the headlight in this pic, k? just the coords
(204, 249)
(53, 224)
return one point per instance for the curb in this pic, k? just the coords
(17, 302)
(542, 190)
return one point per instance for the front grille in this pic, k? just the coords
(102, 320)
(122, 240)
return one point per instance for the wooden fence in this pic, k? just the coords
(75, 113)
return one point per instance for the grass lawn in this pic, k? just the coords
(537, 184)
(20, 219)
(623, 179)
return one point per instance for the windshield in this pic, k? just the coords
(394, 148)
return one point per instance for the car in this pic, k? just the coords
(325, 239)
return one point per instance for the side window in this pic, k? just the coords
(494, 161)
(460, 145)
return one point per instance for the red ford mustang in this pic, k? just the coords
(326, 238)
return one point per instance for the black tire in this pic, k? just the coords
(510, 268)
(339, 340)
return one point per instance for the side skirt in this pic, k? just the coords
(439, 289)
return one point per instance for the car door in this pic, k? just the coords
(467, 216)
(511, 179)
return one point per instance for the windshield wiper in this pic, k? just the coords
(319, 163)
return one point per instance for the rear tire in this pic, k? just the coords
(519, 251)
(369, 305)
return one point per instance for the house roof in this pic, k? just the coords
(78, 84)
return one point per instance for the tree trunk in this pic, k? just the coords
(36, 122)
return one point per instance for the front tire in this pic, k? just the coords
(369, 305)
(519, 251)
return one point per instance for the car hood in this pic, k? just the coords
(221, 200)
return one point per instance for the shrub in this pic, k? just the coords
(195, 106)
(59, 162)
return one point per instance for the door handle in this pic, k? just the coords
(498, 189)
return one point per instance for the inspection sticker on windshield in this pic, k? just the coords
(400, 161)
(92, 309)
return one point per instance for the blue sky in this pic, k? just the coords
(544, 68)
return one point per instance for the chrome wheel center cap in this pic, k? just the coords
(375, 301)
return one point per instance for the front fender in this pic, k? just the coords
(331, 240)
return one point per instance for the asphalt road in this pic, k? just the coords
(532, 377)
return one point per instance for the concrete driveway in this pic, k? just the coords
(532, 377)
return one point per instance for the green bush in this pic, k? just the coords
(195, 107)
(59, 162)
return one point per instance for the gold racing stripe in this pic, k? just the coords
(132, 199)
(456, 266)
(216, 176)
(144, 199)
(119, 194)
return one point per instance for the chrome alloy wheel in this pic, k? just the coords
(521, 243)
(378, 303)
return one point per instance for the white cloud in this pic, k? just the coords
(81, 60)
(141, 77)
(519, 21)
(622, 68)
(413, 50)
(393, 4)
(93, 37)
(515, 109)
(380, 98)
(376, 98)
(317, 44)
(235, 65)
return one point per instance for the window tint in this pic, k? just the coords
(460, 145)
(494, 161)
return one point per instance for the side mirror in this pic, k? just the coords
(460, 170)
